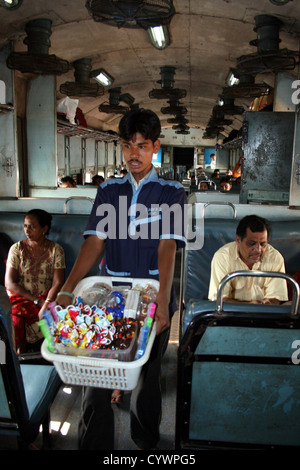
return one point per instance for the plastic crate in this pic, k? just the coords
(102, 373)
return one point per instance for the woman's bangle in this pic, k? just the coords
(49, 300)
(65, 293)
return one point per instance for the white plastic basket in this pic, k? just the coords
(102, 373)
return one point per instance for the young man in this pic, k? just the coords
(213, 161)
(250, 251)
(133, 219)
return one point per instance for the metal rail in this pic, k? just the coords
(228, 277)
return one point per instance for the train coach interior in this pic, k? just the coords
(223, 78)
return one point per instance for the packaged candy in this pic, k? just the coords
(95, 294)
(110, 325)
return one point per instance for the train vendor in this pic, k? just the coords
(133, 219)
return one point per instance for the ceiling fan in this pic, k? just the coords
(37, 60)
(131, 13)
(269, 58)
(174, 108)
(114, 99)
(82, 85)
(167, 90)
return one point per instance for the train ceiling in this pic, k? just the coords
(181, 83)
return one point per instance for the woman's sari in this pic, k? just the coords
(25, 319)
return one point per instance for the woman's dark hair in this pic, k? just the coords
(43, 218)
(144, 121)
(255, 223)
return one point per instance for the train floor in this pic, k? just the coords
(65, 409)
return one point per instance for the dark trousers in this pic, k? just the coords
(96, 426)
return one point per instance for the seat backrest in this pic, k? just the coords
(5, 244)
(237, 383)
(216, 233)
(13, 407)
(285, 237)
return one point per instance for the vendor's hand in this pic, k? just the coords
(63, 300)
(162, 317)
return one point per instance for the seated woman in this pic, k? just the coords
(34, 275)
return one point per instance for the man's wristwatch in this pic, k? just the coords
(36, 301)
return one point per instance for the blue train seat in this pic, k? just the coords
(238, 380)
(26, 391)
(285, 237)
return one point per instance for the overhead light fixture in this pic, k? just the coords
(280, 2)
(220, 100)
(159, 36)
(101, 76)
(232, 78)
(10, 4)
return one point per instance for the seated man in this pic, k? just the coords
(250, 250)
(67, 182)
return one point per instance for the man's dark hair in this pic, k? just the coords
(67, 179)
(43, 218)
(97, 178)
(254, 223)
(226, 179)
(144, 121)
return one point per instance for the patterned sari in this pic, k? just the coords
(25, 315)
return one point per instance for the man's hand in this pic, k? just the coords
(271, 301)
(166, 263)
(162, 317)
(63, 300)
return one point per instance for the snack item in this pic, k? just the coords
(132, 304)
(95, 294)
(148, 294)
(85, 326)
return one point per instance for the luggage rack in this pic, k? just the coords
(70, 130)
